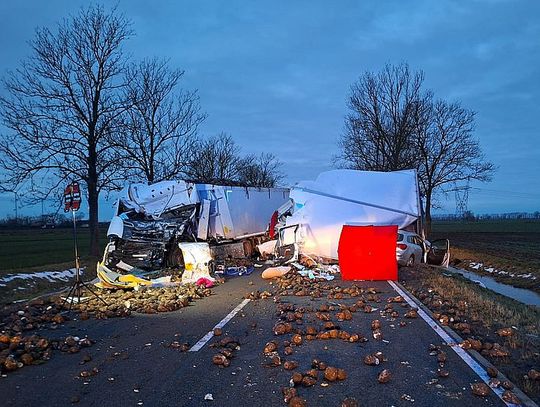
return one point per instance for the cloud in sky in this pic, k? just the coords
(276, 75)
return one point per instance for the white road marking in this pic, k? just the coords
(473, 364)
(220, 324)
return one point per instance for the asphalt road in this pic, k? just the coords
(136, 368)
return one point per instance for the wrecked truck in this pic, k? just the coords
(185, 225)
(173, 224)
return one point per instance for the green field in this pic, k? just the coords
(512, 245)
(488, 226)
(34, 249)
(515, 240)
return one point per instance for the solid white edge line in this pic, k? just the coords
(468, 359)
(220, 324)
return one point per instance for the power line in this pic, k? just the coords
(512, 194)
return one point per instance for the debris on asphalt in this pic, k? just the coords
(349, 402)
(227, 346)
(288, 394)
(443, 373)
(144, 300)
(407, 397)
(290, 365)
(275, 272)
(492, 371)
(384, 376)
(182, 347)
(413, 313)
(511, 398)
(209, 397)
(480, 389)
(297, 402)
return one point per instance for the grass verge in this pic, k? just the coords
(478, 313)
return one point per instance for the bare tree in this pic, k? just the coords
(448, 152)
(393, 124)
(160, 130)
(260, 171)
(215, 159)
(218, 160)
(379, 126)
(62, 105)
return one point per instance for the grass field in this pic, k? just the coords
(35, 249)
(510, 245)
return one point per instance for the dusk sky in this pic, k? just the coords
(275, 75)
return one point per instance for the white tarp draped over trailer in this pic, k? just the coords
(350, 197)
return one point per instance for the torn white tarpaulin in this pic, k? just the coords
(197, 258)
(267, 248)
(348, 197)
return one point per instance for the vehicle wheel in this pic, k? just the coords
(410, 262)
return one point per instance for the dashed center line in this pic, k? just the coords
(198, 346)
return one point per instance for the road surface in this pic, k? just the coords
(136, 368)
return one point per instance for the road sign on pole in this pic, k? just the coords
(72, 202)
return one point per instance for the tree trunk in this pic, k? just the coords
(93, 206)
(93, 218)
(427, 226)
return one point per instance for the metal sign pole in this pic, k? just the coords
(77, 264)
(72, 203)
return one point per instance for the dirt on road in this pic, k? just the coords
(293, 341)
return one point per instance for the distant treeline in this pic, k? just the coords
(469, 216)
(54, 220)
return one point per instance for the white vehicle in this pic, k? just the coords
(411, 249)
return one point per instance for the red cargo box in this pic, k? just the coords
(368, 252)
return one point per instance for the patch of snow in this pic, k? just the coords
(51, 276)
(481, 284)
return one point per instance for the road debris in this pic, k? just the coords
(349, 402)
(384, 376)
(511, 398)
(480, 389)
(227, 346)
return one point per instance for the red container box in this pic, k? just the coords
(368, 252)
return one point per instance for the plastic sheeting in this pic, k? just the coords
(349, 197)
(197, 259)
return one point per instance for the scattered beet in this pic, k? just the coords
(480, 389)
(384, 376)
